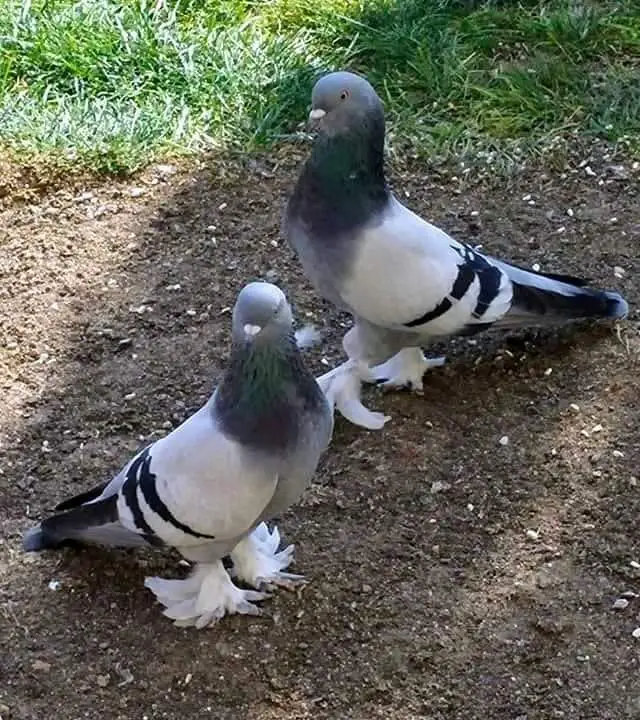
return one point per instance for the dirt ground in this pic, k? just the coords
(452, 575)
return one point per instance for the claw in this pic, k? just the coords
(257, 562)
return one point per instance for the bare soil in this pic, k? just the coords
(452, 576)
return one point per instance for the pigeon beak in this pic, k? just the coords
(251, 330)
(315, 116)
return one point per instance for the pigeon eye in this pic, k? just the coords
(344, 94)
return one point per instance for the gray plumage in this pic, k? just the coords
(208, 487)
(405, 281)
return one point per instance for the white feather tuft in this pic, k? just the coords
(307, 337)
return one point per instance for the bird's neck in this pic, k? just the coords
(342, 185)
(263, 394)
(348, 156)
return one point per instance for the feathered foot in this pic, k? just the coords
(342, 386)
(205, 597)
(405, 369)
(257, 562)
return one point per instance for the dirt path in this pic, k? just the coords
(452, 576)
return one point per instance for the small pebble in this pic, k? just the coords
(129, 396)
(533, 534)
(504, 440)
(40, 666)
(597, 428)
(54, 585)
(103, 680)
(636, 633)
(136, 192)
(188, 678)
(536, 267)
(621, 604)
(574, 407)
(166, 170)
(438, 486)
(618, 272)
(548, 372)
(635, 564)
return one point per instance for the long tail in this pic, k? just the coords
(95, 522)
(545, 298)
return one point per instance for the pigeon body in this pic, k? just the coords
(405, 281)
(208, 487)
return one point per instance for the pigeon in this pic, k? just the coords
(404, 281)
(208, 487)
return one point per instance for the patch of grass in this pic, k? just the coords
(114, 84)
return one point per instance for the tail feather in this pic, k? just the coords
(546, 298)
(583, 303)
(82, 498)
(94, 523)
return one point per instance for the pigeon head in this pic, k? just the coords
(261, 314)
(341, 100)
(266, 389)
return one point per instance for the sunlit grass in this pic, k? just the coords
(114, 85)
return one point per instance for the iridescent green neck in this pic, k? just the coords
(264, 393)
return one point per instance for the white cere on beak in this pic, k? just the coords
(317, 114)
(252, 330)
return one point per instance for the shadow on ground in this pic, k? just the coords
(452, 576)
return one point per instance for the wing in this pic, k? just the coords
(194, 486)
(191, 487)
(409, 275)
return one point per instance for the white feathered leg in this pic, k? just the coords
(405, 369)
(257, 561)
(342, 386)
(205, 597)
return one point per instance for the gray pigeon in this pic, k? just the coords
(405, 282)
(208, 487)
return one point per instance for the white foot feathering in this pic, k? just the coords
(257, 561)
(342, 387)
(205, 597)
(405, 369)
